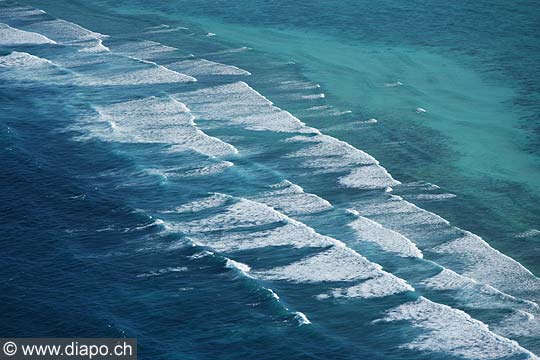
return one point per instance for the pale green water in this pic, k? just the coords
(477, 117)
(470, 140)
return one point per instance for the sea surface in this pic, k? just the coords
(273, 179)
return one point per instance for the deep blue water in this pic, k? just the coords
(259, 179)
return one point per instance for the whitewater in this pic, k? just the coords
(249, 220)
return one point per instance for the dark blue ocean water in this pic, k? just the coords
(272, 180)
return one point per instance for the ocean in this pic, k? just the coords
(273, 179)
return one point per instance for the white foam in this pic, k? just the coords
(19, 12)
(328, 110)
(238, 104)
(13, 36)
(397, 214)
(319, 108)
(292, 234)
(164, 29)
(23, 60)
(75, 61)
(212, 201)
(149, 74)
(369, 121)
(337, 112)
(203, 67)
(448, 280)
(144, 49)
(421, 185)
(480, 261)
(156, 222)
(353, 212)
(431, 197)
(323, 147)
(241, 214)
(201, 170)
(452, 331)
(273, 294)
(329, 154)
(477, 295)
(519, 323)
(68, 33)
(159, 120)
(225, 51)
(248, 214)
(465, 253)
(313, 96)
(201, 255)
(393, 84)
(301, 318)
(298, 85)
(368, 177)
(339, 263)
(238, 266)
(95, 47)
(292, 200)
(528, 233)
(389, 240)
(523, 318)
(380, 286)
(237, 227)
(192, 170)
(162, 271)
(157, 27)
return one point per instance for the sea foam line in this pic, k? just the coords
(12, 36)
(158, 120)
(453, 331)
(454, 248)
(337, 263)
(467, 292)
(243, 270)
(236, 103)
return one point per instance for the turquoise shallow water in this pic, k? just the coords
(258, 180)
(471, 140)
